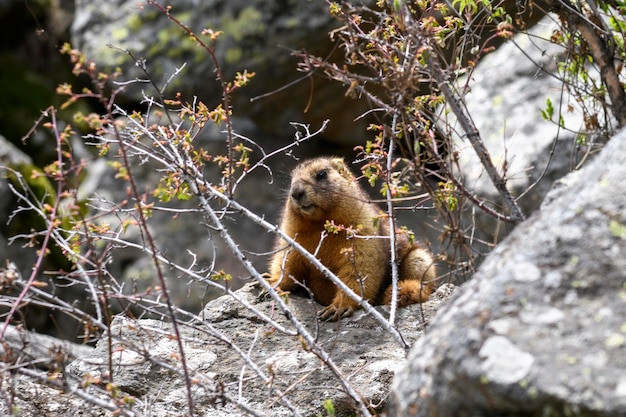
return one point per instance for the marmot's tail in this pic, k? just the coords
(409, 292)
(417, 275)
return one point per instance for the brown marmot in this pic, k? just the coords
(323, 192)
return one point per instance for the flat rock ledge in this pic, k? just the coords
(238, 362)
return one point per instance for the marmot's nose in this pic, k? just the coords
(297, 193)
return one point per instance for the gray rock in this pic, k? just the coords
(258, 37)
(508, 91)
(30, 346)
(366, 355)
(10, 155)
(541, 328)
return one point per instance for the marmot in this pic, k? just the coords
(322, 192)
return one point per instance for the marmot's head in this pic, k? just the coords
(320, 185)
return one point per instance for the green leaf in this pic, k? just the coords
(548, 112)
(329, 407)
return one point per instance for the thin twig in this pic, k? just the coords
(392, 230)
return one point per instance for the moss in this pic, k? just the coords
(134, 23)
(184, 17)
(119, 34)
(248, 23)
(233, 55)
(36, 180)
(172, 40)
(617, 229)
(614, 341)
(292, 23)
(187, 46)
(44, 191)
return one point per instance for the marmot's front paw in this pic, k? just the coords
(334, 312)
(263, 294)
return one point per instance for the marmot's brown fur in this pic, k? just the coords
(323, 189)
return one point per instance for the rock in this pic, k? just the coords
(509, 88)
(38, 348)
(43, 355)
(222, 353)
(34, 399)
(540, 329)
(258, 37)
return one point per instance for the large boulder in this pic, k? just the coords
(540, 329)
(508, 91)
(22, 345)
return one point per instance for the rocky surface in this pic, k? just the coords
(541, 327)
(21, 346)
(221, 355)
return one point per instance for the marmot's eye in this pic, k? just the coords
(322, 175)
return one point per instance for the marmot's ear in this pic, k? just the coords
(340, 165)
(337, 163)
